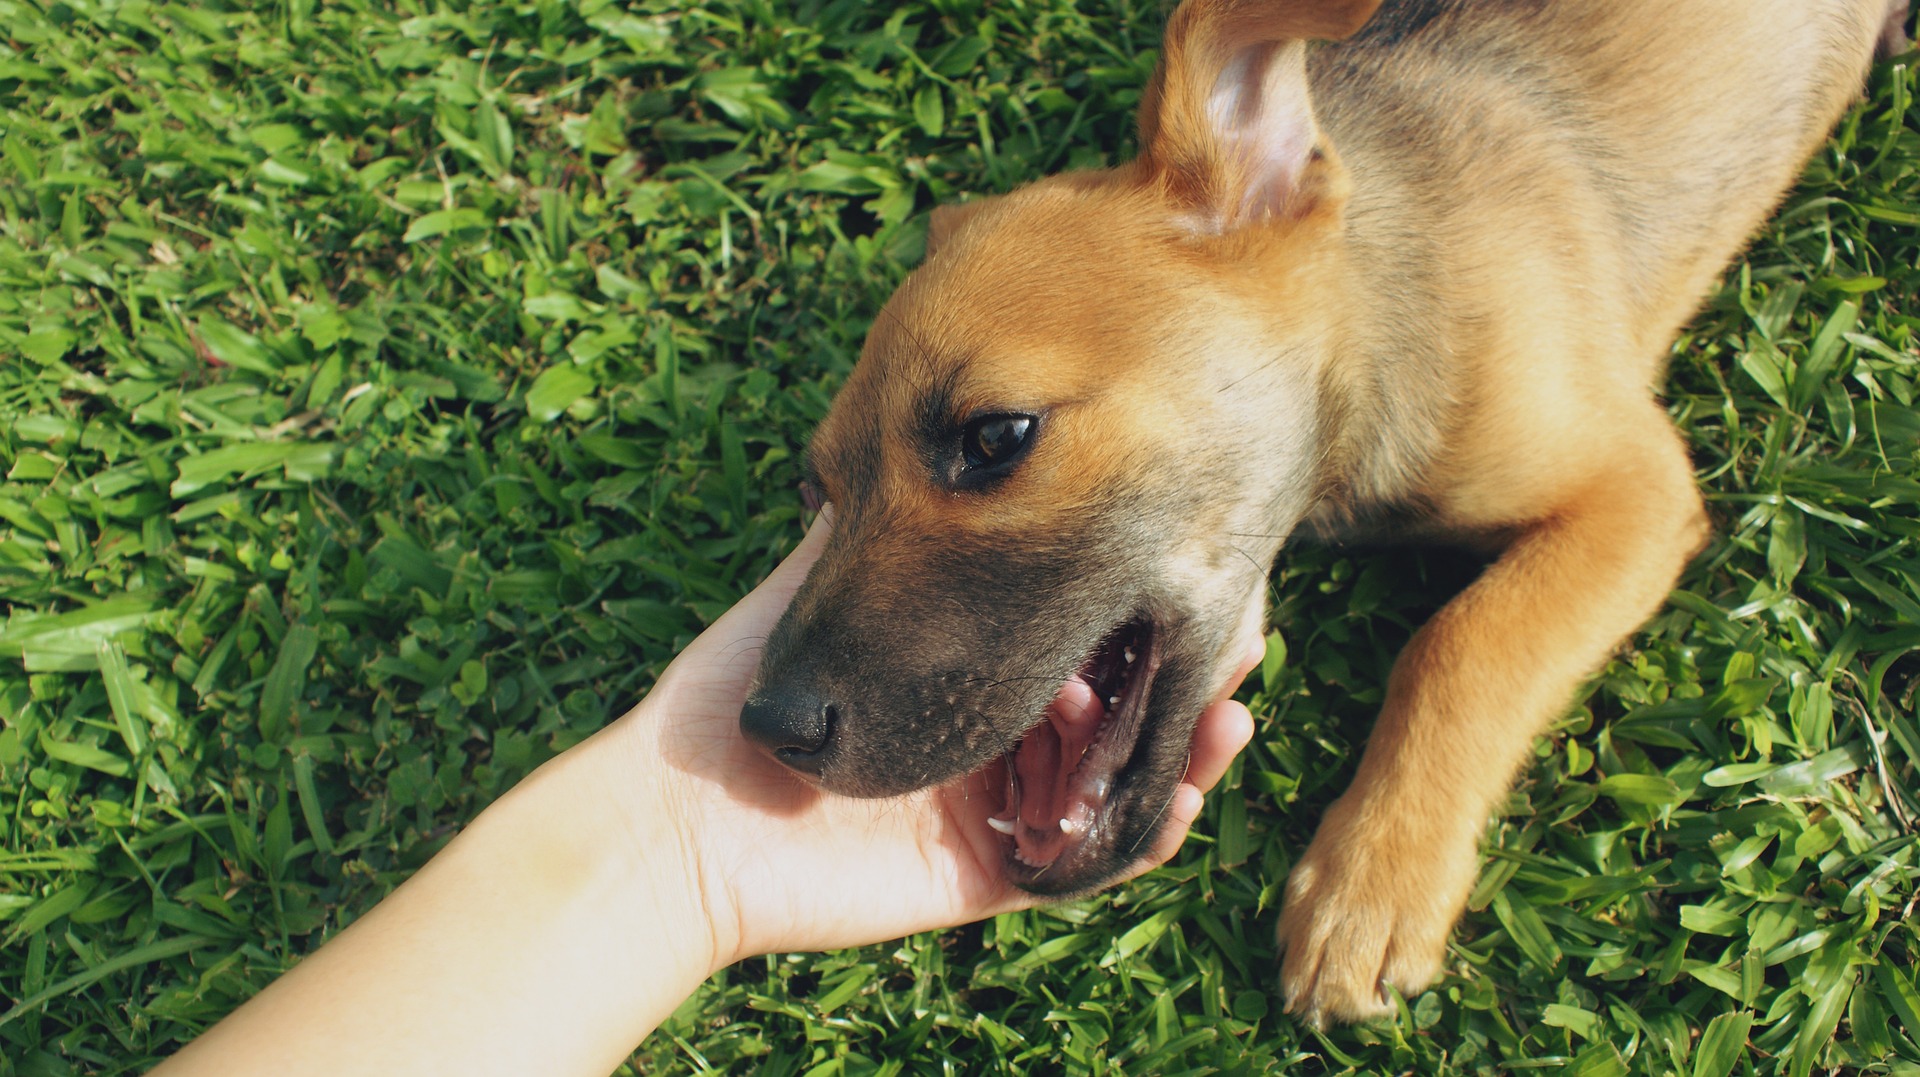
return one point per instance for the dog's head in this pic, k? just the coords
(1074, 441)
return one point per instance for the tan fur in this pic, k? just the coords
(1448, 321)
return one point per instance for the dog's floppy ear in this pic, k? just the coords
(1226, 127)
(946, 220)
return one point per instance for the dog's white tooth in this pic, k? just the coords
(1113, 701)
(1127, 654)
(1004, 826)
(1066, 826)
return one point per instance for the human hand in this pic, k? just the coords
(781, 865)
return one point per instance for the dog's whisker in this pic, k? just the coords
(1165, 806)
(754, 643)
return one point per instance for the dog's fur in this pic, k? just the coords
(1419, 283)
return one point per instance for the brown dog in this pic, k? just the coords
(1420, 283)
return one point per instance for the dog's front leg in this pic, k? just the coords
(1374, 896)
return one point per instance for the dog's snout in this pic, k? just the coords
(794, 728)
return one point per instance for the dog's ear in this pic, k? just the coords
(944, 221)
(1226, 127)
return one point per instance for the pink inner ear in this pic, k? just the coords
(1258, 109)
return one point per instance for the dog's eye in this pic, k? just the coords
(995, 440)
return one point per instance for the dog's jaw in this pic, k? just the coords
(1062, 777)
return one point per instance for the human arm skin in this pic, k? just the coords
(581, 908)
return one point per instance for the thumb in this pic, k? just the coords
(756, 614)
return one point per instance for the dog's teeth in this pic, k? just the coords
(1113, 701)
(1004, 826)
(1066, 826)
(1127, 654)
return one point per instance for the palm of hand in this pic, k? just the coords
(783, 866)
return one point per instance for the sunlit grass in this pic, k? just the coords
(386, 395)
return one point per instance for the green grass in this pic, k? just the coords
(386, 395)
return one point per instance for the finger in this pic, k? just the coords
(785, 578)
(755, 614)
(1253, 648)
(1256, 651)
(1224, 729)
(1180, 816)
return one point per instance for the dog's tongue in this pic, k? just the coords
(1048, 756)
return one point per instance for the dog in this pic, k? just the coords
(1417, 284)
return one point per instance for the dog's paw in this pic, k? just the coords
(1370, 903)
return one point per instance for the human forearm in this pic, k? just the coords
(549, 937)
(578, 912)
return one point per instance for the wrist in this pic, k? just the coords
(617, 793)
(550, 936)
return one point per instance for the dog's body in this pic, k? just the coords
(1421, 283)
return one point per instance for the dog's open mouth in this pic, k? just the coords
(1061, 775)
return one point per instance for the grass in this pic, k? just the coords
(388, 391)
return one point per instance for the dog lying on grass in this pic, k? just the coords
(1419, 284)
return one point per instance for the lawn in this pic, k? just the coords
(387, 391)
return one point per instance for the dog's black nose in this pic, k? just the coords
(793, 728)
